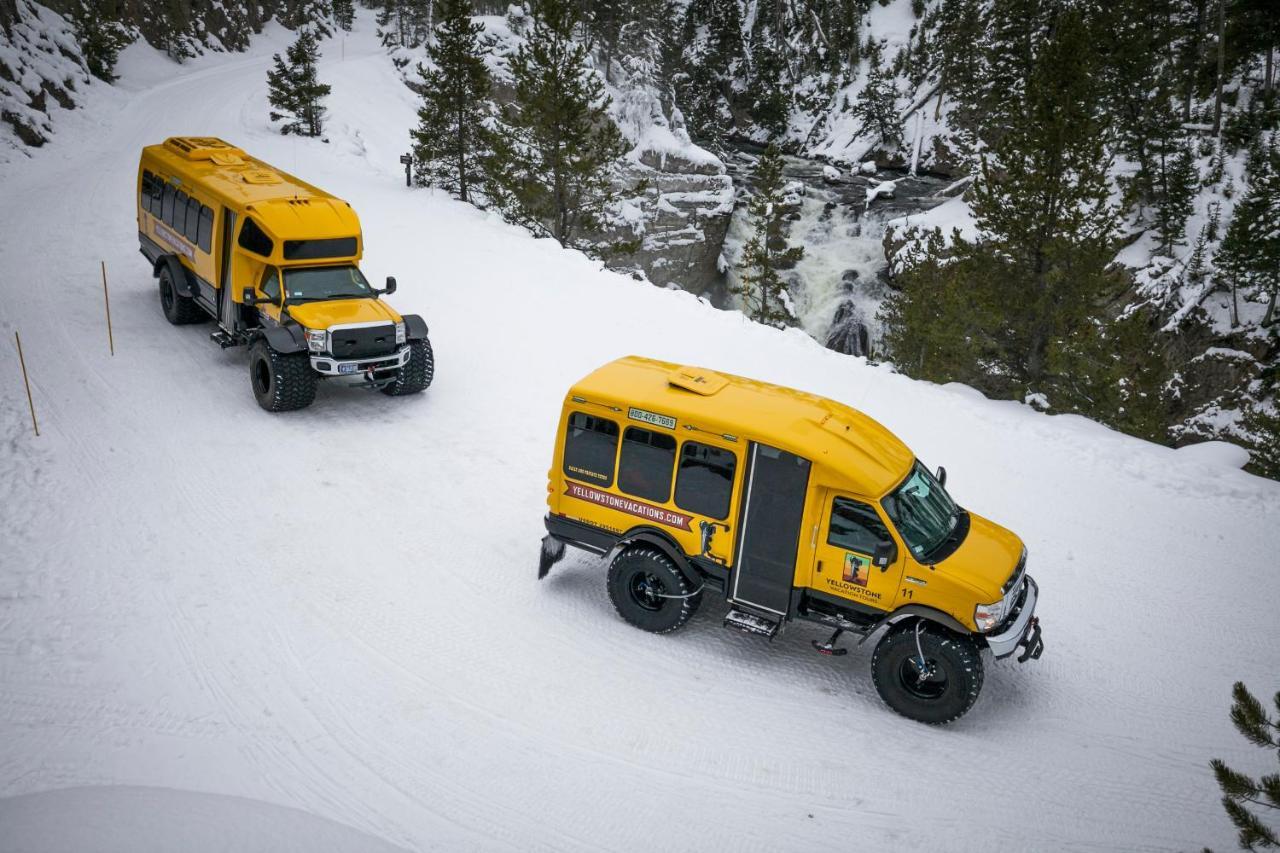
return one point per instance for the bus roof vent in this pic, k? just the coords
(260, 176)
(697, 379)
(205, 148)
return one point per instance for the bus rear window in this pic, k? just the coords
(315, 250)
(590, 448)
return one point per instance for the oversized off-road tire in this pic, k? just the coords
(944, 688)
(282, 382)
(417, 372)
(649, 591)
(178, 309)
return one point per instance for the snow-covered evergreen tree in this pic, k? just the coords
(294, 89)
(344, 14)
(100, 35)
(453, 137)
(1250, 253)
(877, 108)
(555, 153)
(760, 287)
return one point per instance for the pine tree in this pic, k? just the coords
(713, 61)
(768, 89)
(344, 14)
(294, 89)
(760, 287)
(453, 136)
(1242, 795)
(877, 108)
(552, 171)
(1020, 311)
(1250, 252)
(100, 36)
(1176, 182)
(313, 15)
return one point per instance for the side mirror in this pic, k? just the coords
(941, 476)
(248, 297)
(391, 285)
(885, 555)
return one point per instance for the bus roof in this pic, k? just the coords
(287, 206)
(849, 449)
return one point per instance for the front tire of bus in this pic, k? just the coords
(649, 592)
(178, 309)
(927, 673)
(282, 382)
(417, 372)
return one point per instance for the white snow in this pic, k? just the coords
(324, 628)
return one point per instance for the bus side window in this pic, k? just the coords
(646, 464)
(253, 238)
(705, 482)
(193, 220)
(144, 200)
(204, 234)
(166, 210)
(271, 283)
(179, 221)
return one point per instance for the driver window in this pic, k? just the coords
(271, 283)
(856, 526)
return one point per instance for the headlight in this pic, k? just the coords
(400, 335)
(988, 616)
(317, 340)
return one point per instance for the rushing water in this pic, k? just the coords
(841, 273)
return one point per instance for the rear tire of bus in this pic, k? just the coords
(178, 309)
(417, 372)
(282, 382)
(941, 688)
(649, 592)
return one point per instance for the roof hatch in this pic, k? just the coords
(259, 176)
(697, 379)
(205, 148)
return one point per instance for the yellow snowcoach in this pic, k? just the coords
(791, 506)
(274, 262)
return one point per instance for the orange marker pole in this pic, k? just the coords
(30, 403)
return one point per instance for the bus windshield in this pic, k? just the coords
(302, 284)
(923, 512)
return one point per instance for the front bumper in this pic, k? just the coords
(1023, 632)
(330, 366)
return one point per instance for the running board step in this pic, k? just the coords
(226, 339)
(752, 623)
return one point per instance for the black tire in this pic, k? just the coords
(641, 581)
(178, 310)
(281, 382)
(417, 373)
(950, 683)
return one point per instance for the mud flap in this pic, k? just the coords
(552, 553)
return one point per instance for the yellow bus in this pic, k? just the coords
(274, 262)
(791, 507)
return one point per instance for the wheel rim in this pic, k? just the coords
(261, 376)
(166, 294)
(646, 590)
(928, 682)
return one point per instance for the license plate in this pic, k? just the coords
(348, 368)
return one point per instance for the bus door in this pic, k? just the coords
(773, 510)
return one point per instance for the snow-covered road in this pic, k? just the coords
(333, 613)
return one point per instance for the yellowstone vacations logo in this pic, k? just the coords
(637, 508)
(856, 569)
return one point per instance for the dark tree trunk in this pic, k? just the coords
(1222, 47)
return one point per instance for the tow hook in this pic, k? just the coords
(829, 647)
(1034, 644)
